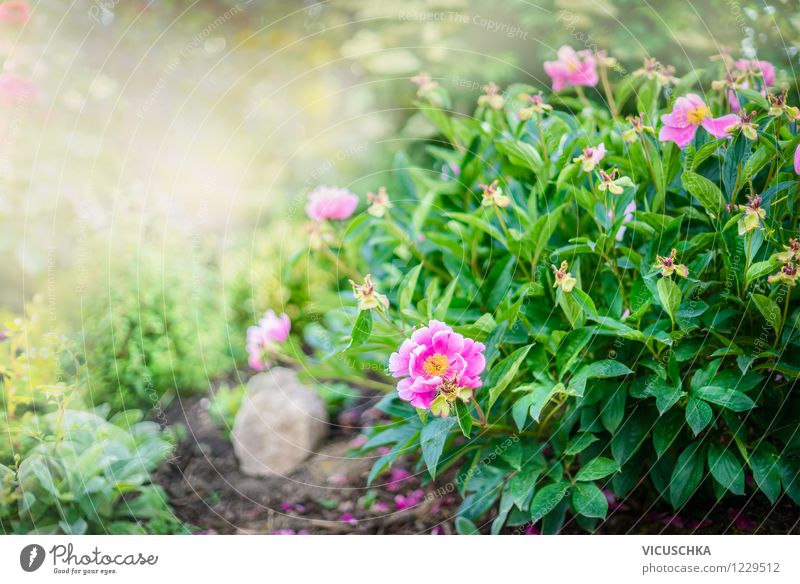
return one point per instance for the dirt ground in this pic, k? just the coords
(328, 495)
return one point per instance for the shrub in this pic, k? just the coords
(633, 301)
(155, 329)
(64, 469)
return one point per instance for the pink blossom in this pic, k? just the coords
(572, 68)
(15, 12)
(436, 360)
(380, 507)
(437, 530)
(14, 88)
(332, 203)
(411, 499)
(261, 339)
(397, 477)
(348, 518)
(689, 113)
(797, 159)
(763, 68)
(591, 157)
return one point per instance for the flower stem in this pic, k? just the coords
(609, 95)
(341, 266)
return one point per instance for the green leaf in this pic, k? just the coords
(547, 498)
(614, 408)
(513, 455)
(630, 436)
(698, 415)
(725, 397)
(570, 348)
(790, 478)
(466, 527)
(761, 269)
(769, 310)
(407, 287)
(432, 438)
(540, 396)
(597, 370)
(464, 418)
(705, 191)
(687, 474)
(766, 472)
(725, 468)
(506, 370)
(440, 312)
(596, 469)
(579, 443)
(670, 296)
(666, 431)
(362, 328)
(522, 484)
(585, 302)
(588, 500)
(521, 154)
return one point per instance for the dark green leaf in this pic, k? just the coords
(596, 469)
(588, 500)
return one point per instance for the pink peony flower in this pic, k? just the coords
(14, 88)
(797, 159)
(764, 68)
(572, 68)
(687, 115)
(261, 339)
(15, 12)
(437, 361)
(331, 203)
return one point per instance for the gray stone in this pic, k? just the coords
(280, 423)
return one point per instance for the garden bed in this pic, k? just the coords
(208, 491)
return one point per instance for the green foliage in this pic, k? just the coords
(152, 332)
(675, 371)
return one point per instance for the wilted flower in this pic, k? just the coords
(604, 60)
(367, 297)
(613, 182)
(411, 499)
(572, 68)
(563, 278)
(791, 253)
(779, 107)
(653, 69)
(591, 157)
(536, 105)
(379, 203)
(331, 203)
(263, 338)
(491, 97)
(753, 215)
(425, 84)
(746, 124)
(637, 128)
(434, 362)
(670, 266)
(15, 12)
(493, 195)
(787, 275)
(689, 113)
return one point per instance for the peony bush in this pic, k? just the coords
(575, 295)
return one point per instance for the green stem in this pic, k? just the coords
(609, 95)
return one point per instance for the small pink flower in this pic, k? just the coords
(797, 159)
(261, 339)
(14, 88)
(15, 12)
(437, 531)
(348, 518)
(380, 507)
(436, 361)
(409, 500)
(332, 203)
(572, 68)
(689, 113)
(396, 479)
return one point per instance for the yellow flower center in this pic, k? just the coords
(436, 364)
(697, 115)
